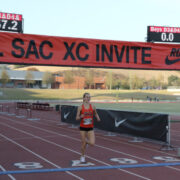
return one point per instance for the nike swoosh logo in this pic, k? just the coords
(66, 115)
(118, 123)
(169, 62)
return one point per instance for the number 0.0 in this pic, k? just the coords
(169, 37)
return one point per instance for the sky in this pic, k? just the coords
(122, 20)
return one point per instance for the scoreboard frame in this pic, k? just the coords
(163, 34)
(11, 22)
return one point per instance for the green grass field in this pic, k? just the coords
(169, 108)
(117, 96)
(72, 94)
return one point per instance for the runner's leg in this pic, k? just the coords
(83, 141)
(91, 137)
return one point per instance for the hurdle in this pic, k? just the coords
(136, 140)
(29, 115)
(178, 152)
(4, 109)
(73, 126)
(8, 111)
(109, 133)
(17, 114)
(1, 108)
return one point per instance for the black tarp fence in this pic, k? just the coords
(139, 124)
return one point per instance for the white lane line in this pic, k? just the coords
(63, 147)
(52, 132)
(28, 138)
(11, 177)
(37, 155)
(97, 145)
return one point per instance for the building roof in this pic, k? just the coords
(21, 75)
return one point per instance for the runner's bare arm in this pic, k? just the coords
(78, 115)
(96, 114)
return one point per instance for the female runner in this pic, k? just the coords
(85, 113)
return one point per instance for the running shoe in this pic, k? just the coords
(82, 159)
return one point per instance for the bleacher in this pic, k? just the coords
(35, 106)
(25, 105)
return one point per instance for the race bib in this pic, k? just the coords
(87, 121)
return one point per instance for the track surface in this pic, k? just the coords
(42, 142)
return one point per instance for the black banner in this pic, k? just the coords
(146, 125)
(68, 114)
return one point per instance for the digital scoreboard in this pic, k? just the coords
(11, 22)
(163, 34)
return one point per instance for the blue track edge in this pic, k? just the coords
(89, 168)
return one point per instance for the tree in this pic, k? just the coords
(173, 80)
(48, 78)
(3, 66)
(135, 82)
(4, 77)
(68, 77)
(116, 83)
(161, 81)
(29, 79)
(125, 84)
(89, 78)
(153, 83)
(109, 80)
(32, 69)
(19, 66)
